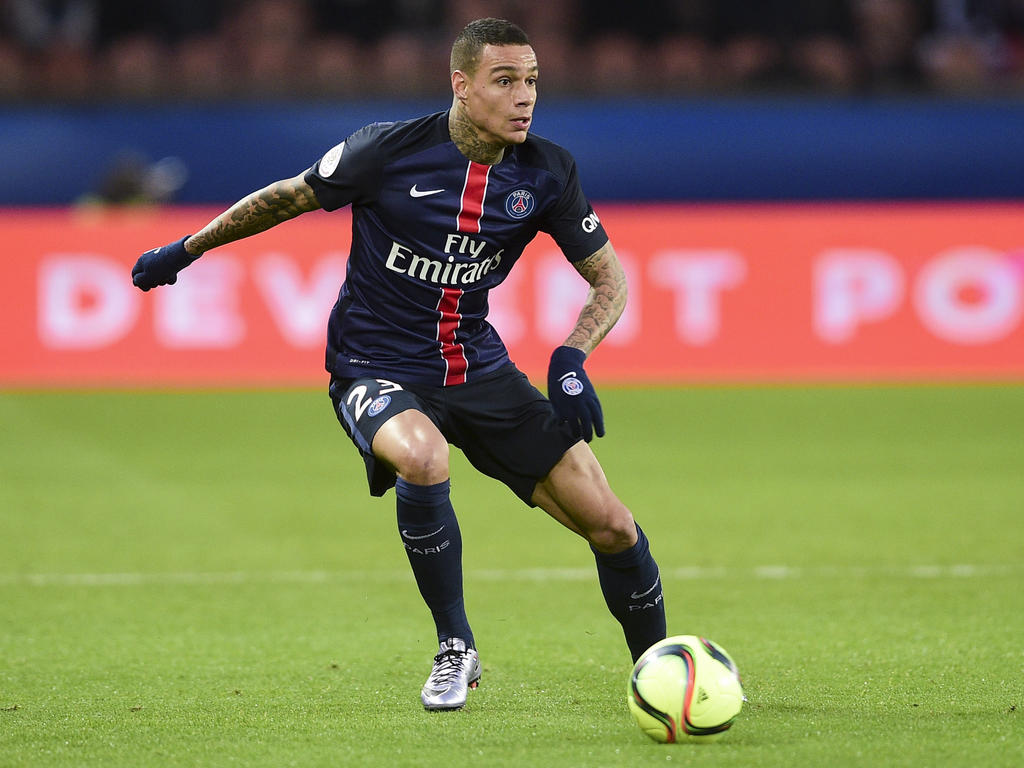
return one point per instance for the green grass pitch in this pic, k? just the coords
(200, 579)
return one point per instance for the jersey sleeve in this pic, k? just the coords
(349, 172)
(572, 222)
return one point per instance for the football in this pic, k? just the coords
(685, 688)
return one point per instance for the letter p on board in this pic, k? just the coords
(853, 287)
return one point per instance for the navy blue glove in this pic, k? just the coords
(572, 394)
(161, 266)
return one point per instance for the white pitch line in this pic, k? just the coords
(689, 573)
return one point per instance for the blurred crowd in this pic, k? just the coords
(159, 50)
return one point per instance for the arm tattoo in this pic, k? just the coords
(257, 212)
(605, 302)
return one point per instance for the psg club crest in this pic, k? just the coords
(378, 405)
(519, 204)
(572, 386)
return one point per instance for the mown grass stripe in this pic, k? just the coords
(768, 573)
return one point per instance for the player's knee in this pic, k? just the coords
(617, 534)
(422, 460)
(414, 448)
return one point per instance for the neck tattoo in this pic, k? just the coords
(467, 139)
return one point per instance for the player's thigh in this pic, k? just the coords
(507, 429)
(390, 427)
(576, 493)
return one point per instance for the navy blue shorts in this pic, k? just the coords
(501, 422)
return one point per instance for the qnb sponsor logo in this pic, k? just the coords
(590, 223)
(436, 272)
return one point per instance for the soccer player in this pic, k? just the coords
(442, 207)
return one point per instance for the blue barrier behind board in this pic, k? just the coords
(690, 150)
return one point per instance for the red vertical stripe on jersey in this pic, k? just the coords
(473, 192)
(447, 325)
(471, 209)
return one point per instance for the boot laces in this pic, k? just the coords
(447, 666)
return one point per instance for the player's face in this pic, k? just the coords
(500, 95)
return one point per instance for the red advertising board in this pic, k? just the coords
(717, 293)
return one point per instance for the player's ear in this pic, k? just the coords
(460, 84)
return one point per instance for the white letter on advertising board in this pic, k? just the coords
(86, 301)
(970, 295)
(853, 287)
(201, 311)
(698, 278)
(300, 308)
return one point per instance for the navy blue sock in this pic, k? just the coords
(631, 584)
(433, 542)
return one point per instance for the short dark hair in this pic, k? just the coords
(475, 35)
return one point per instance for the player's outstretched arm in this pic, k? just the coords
(569, 388)
(254, 213)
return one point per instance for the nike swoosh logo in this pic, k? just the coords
(423, 192)
(567, 375)
(635, 596)
(410, 537)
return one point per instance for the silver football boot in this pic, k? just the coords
(456, 670)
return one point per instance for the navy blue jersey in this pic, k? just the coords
(432, 233)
